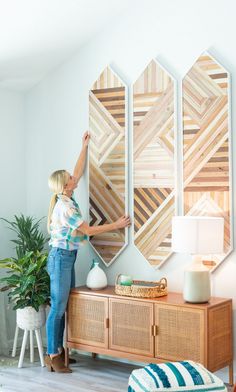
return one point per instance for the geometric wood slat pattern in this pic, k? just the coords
(206, 146)
(107, 162)
(154, 162)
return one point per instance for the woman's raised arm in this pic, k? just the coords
(80, 164)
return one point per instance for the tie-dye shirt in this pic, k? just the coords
(66, 217)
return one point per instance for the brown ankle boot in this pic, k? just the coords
(56, 364)
(71, 360)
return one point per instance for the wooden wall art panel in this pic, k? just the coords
(154, 162)
(206, 146)
(107, 162)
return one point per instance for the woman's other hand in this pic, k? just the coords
(123, 221)
(85, 140)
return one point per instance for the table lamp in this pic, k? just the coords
(197, 235)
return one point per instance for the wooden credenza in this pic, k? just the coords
(151, 330)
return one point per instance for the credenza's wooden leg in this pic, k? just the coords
(231, 376)
(94, 355)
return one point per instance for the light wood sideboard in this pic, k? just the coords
(151, 330)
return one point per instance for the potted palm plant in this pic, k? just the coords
(26, 277)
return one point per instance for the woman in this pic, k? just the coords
(67, 229)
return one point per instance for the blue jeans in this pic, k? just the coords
(60, 267)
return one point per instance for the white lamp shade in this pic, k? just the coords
(197, 234)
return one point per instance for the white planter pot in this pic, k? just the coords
(29, 319)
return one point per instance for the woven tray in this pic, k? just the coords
(156, 289)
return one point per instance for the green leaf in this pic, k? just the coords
(10, 264)
(26, 282)
(21, 303)
(31, 269)
(26, 274)
(11, 280)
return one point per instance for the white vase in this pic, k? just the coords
(96, 279)
(28, 318)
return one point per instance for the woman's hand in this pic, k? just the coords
(85, 140)
(123, 221)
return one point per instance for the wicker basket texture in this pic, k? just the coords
(139, 288)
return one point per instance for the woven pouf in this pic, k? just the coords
(186, 376)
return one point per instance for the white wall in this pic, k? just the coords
(13, 187)
(176, 32)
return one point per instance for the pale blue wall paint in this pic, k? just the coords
(13, 189)
(176, 33)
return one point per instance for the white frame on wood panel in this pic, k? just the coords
(175, 156)
(206, 52)
(126, 169)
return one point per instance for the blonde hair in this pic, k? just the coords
(56, 183)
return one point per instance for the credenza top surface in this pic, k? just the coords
(171, 298)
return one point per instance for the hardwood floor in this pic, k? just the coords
(88, 375)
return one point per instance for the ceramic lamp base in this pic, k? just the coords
(197, 287)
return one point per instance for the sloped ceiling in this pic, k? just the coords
(38, 35)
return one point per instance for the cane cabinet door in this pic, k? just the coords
(220, 336)
(88, 320)
(131, 325)
(179, 333)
